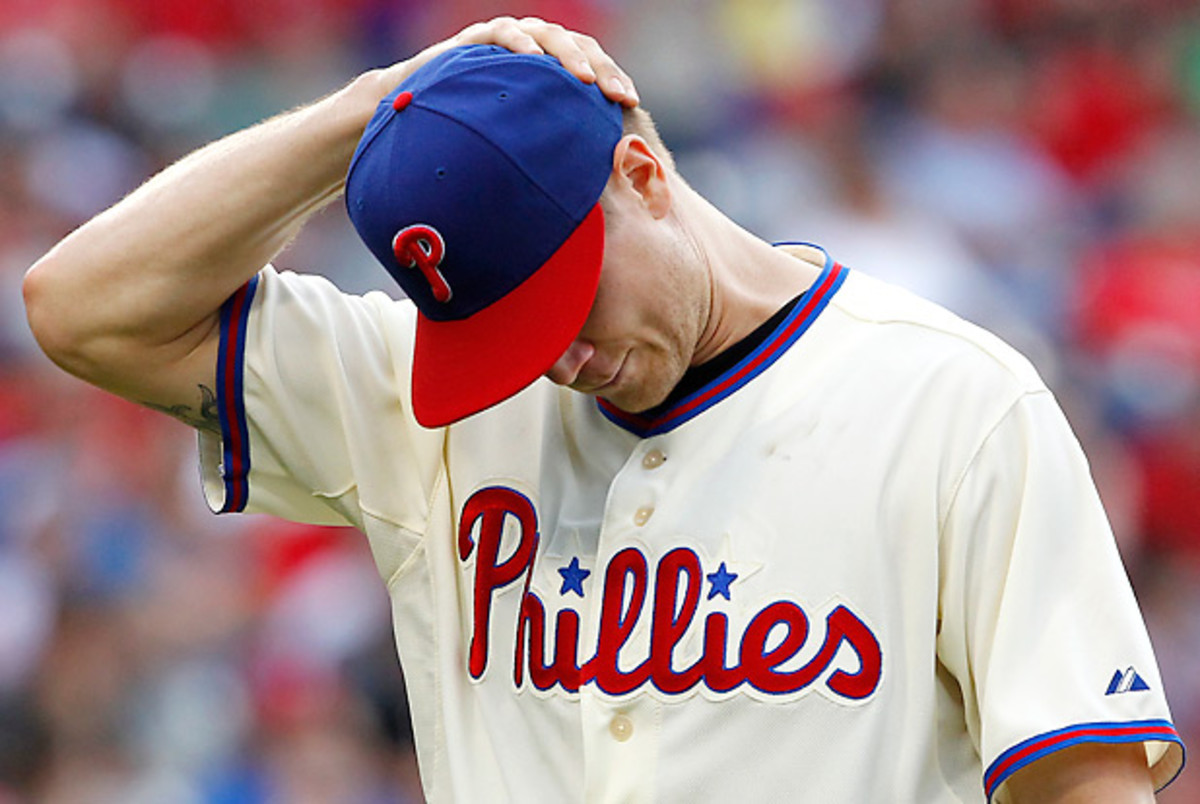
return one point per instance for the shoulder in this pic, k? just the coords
(294, 286)
(917, 332)
(293, 300)
(303, 325)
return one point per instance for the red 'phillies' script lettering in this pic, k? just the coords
(423, 248)
(772, 638)
(490, 507)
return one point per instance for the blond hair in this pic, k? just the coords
(638, 121)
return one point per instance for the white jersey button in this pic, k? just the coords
(642, 515)
(621, 728)
(653, 459)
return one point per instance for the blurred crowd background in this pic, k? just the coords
(1032, 164)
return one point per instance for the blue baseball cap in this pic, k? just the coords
(477, 184)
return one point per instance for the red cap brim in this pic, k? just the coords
(463, 367)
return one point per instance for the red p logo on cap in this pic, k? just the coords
(422, 247)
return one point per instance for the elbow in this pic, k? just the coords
(47, 310)
(37, 300)
(83, 320)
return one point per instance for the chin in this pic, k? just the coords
(638, 401)
(639, 397)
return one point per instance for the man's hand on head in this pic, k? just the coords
(579, 53)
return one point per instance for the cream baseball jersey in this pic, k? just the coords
(865, 563)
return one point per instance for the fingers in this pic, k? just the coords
(507, 32)
(613, 81)
(580, 54)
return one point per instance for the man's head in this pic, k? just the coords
(477, 186)
(654, 294)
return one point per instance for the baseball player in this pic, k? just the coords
(766, 530)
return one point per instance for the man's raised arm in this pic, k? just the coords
(130, 300)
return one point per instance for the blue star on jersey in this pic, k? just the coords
(573, 576)
(720, 580)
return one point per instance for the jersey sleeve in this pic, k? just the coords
(1039, 623)
(312, 395)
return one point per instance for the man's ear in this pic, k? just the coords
(638, 169)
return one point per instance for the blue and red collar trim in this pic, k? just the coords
(789, 331)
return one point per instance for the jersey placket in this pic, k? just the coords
(621, 732)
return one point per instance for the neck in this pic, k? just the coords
(749, 279)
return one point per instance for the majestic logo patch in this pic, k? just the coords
(422, 247)
(1127, 681)
(765, 653)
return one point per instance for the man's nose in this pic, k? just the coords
(566, 369)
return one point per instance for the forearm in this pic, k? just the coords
(151, 272)
(196, 232)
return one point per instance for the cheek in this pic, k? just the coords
(614, 317)
(647, 297)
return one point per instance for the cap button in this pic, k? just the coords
(402, 100)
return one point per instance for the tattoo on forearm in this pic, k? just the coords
(208, 408)
(206, 419)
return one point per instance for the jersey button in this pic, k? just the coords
(621, 728)
(653, 459)
(642, 515)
